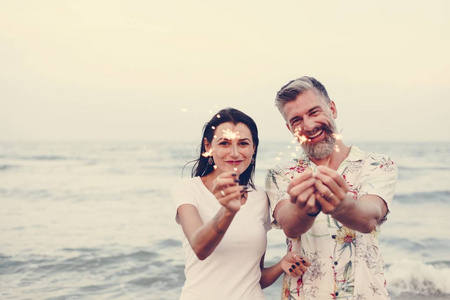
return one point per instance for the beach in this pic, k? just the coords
(94, 220)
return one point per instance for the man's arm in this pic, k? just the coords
(362, 214)
(296, 215)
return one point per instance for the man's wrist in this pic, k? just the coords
(314, 214)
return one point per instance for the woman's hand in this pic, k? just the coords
(294, 264)
(228, 192)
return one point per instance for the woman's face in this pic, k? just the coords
(232, 147)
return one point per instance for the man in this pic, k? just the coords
(330, 202)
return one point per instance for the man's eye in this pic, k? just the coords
(315, 112)
(296, 121)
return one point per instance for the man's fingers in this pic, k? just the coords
(303, 197)
(301, 190)
(334, 176)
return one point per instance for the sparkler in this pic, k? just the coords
(337, 136)
(230, 135)
(207, 153)
(300, 137)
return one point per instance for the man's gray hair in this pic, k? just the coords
(298, 86)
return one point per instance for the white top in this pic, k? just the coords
(232, 271)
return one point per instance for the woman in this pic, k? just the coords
(225, 218)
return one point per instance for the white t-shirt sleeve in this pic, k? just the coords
(182, 193)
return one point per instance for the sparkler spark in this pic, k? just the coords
(300, 137)
(207, 153)
(230, 135)
(337, 136)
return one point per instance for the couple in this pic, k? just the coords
(329, 202)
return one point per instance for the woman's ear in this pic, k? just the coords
(207, 144)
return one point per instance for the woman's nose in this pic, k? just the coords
(234, 151)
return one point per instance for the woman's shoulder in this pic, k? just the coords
(186, 183)
(258, 191)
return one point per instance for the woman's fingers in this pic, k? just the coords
(298, 264)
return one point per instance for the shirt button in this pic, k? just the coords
(333, 236)
(335, 263)
(336, 293)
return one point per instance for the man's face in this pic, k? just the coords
(311, 119)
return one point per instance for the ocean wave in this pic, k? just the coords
(417, 278)
(48, 157)
(421, 197)
(7, 167)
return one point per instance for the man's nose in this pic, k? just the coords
(308, 124)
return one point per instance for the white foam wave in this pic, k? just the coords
(415, 277)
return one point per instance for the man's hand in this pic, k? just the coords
(330, 189)
(302, 192)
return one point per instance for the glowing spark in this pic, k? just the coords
(208, 153)
(215, 167)
(218, 116)
(289, 147)
(277, 158)
(293, 154)
(300, 137)
(337, 136)
(235, 169)
(213, 127)
(183, 110)
(210, 111)
(336, 148)
(215, 136)
(280, 153)
(231, 135)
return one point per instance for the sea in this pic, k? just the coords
(95, 220)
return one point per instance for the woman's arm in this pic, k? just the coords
(292, 263)
(204, 238)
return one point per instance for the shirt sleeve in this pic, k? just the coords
(276, 187)
(380, 179)
(182, 193)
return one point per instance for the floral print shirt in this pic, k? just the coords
(346, 264)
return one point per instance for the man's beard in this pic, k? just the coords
(325, 147)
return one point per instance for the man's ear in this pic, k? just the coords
(333, 109)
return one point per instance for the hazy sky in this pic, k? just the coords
(151, 70)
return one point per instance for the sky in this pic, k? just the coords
(158, 70)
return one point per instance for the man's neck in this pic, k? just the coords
(334, 160)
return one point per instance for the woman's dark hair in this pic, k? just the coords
(202, 168)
